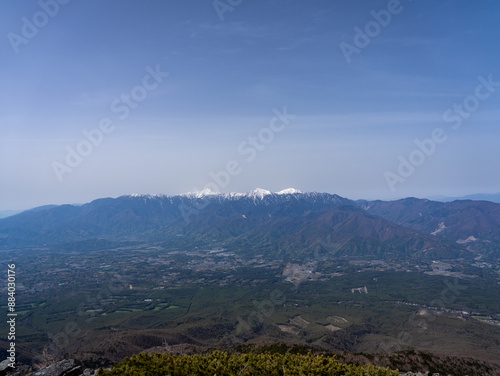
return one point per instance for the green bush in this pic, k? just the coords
(223, 364)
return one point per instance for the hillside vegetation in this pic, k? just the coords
(221, 363)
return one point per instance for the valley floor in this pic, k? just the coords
(101, 306)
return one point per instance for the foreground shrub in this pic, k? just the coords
(223, 364)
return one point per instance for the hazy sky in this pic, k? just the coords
(366, 99)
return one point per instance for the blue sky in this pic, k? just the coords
(207, 115)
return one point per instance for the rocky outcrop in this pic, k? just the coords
(20, 370)
(65, 367)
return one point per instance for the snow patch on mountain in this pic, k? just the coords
(200, 194)
(255, 194)
(159, 195)
(288, 191)
(259, 193)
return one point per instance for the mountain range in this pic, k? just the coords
(493, 197)
(288, 224)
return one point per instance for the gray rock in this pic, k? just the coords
(4, 365)
(20, 370)
(76, 371)
(63, 368)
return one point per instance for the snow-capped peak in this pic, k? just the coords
(288, 191)
(255, 193)
(259, 192)
(203, 193)
(145, 195)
